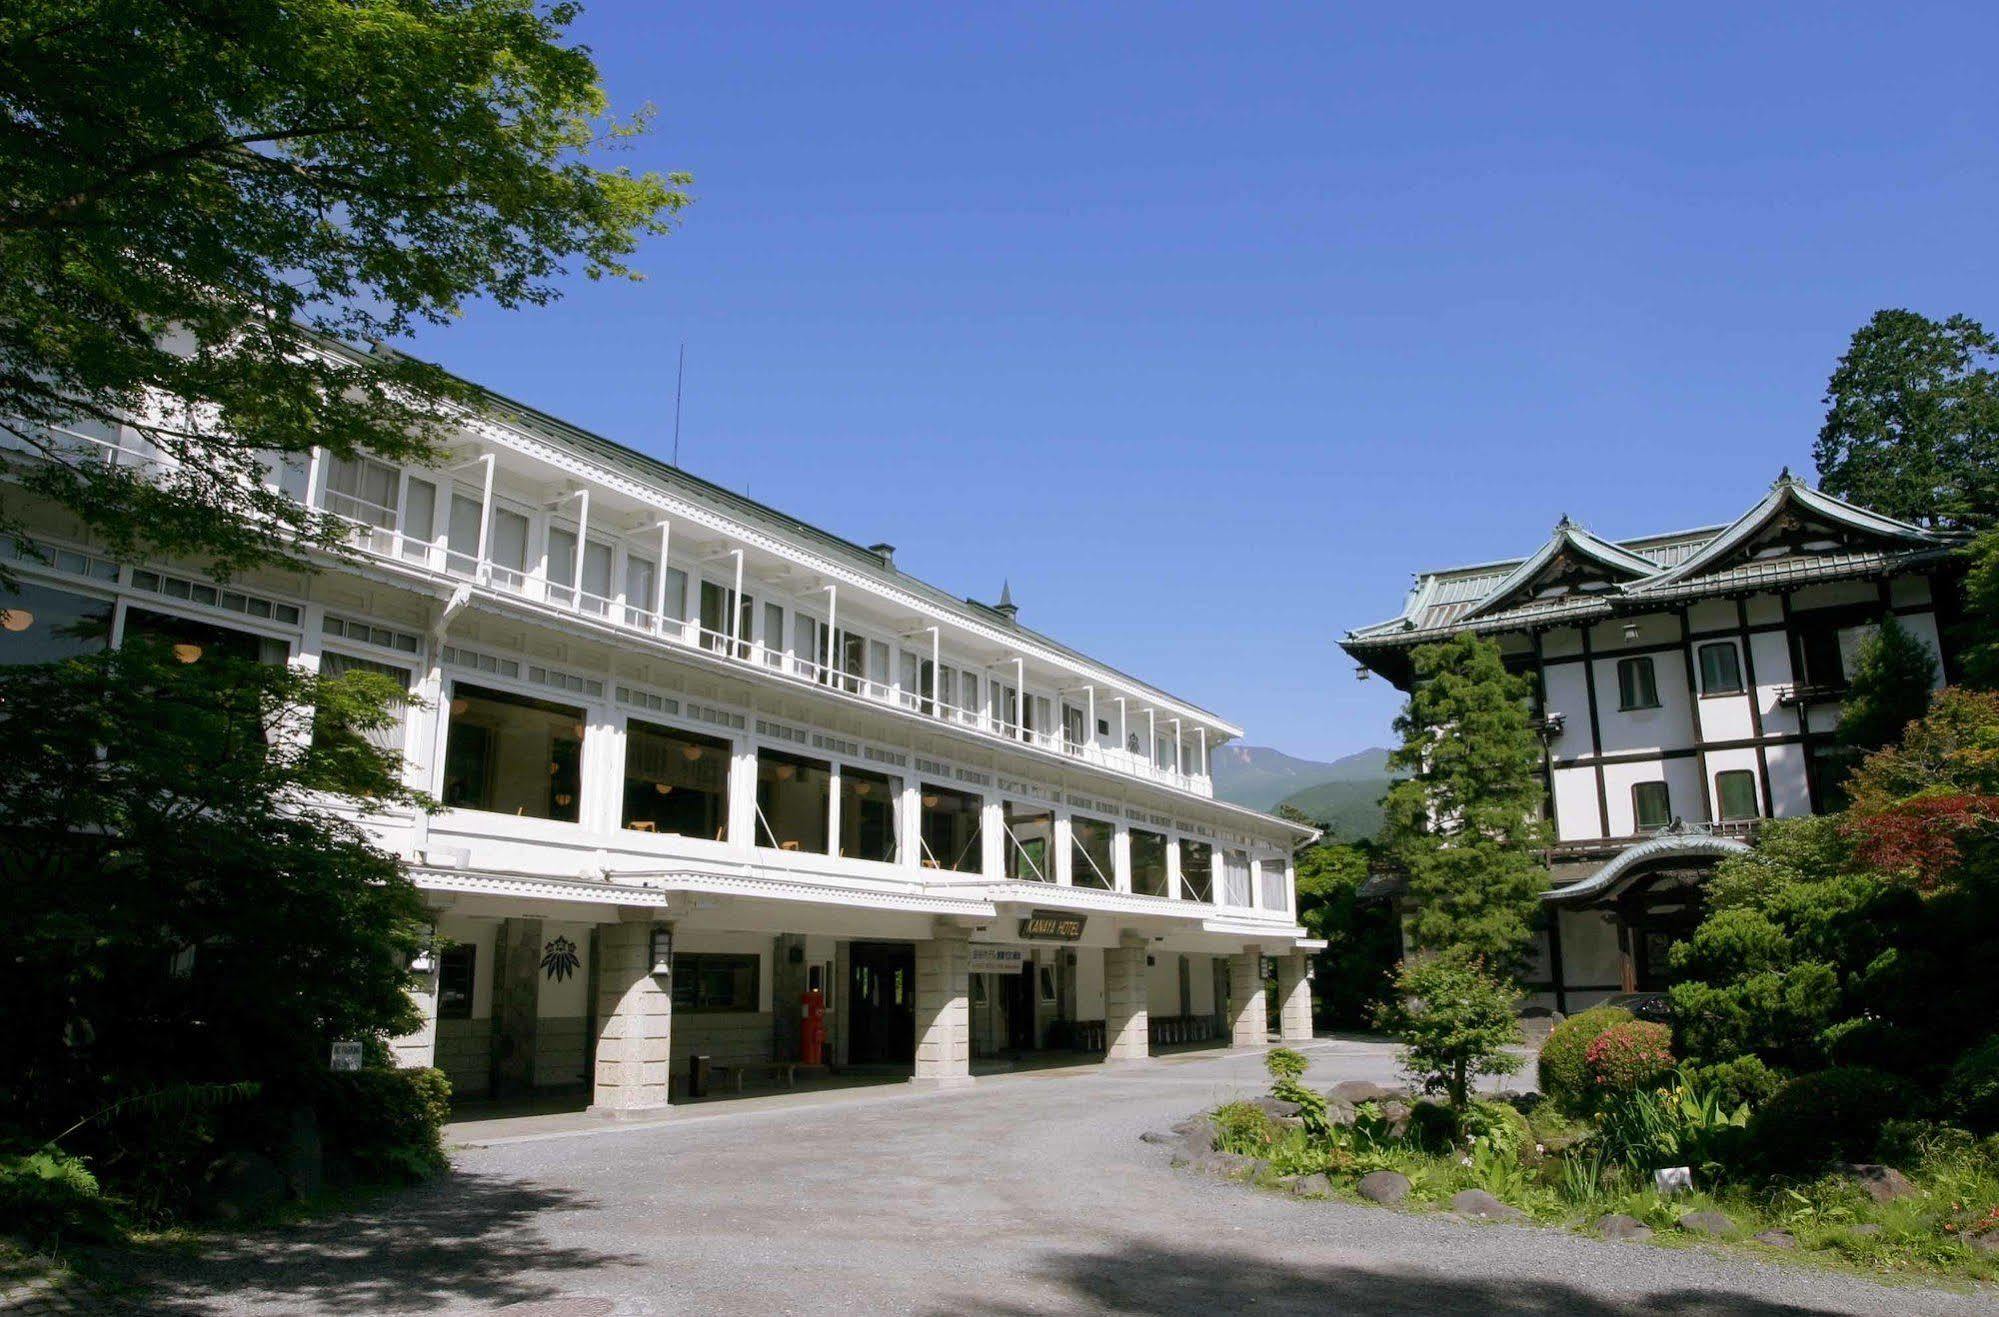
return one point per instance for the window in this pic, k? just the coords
(1819, 660)
(1235, 878)
(950, 830)
(1270, 871)
(1072, 727)
(774, 635)
(854, 661)
(1197, 870)
(387, 739)
(711, 984)
(39, 624)
(870, 804)
(462, 533)
(510, 540)
(362, 489)
(676, 782)
(715, 627)
(1637, 687)
(455, 967)
(419, 518)
(1091, 864)
(509, 754)
(191, 640)
(641, 582)
(1735, 794)
(1030, 831)
(1148, 863)
(794, 801)
(1721, 669)
(1651, 805)
(676, 594)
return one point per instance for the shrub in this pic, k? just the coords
(1456, 1022)
(1564, 1079)
(1744, 1081)
(1285, 1064)
(1499, 1126)
(1433, 1126)
(1243, 1127)
(1972, 1091)
(1626, 1058)
(1827, 1116)
(1679, 1124)
(384, 1125)
(49, 1194)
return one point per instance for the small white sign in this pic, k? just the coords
(1671, 1180)
(998, 960)
(347, 1055)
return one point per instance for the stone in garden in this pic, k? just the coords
(1707, 1223)
(1158, 1136)
(1288, 1122)
(1482, 1206)
(1985, 1243)
(1619, 1226)
(1353, 1092)
(1223, 1163)
(1866, 1230)
(1271, 1106)
(1396, 1113)
(1389, 1187)
(1312, 1186)
(1884, 1184)
(1776, 1239)
(1340, 1113)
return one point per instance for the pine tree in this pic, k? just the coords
(1889, 688)
(1465, 821)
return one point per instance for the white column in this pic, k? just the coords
(1294, 997)
(1127, 1030)
(1121, 855)
(485, 514)
(833, 812)
(1064, 847)
(659, 579)
(909, 825)
(992, 832)
(634, 1025)
(743, 795)
(1173, 868)
(1249, 1016)
(943, 1009)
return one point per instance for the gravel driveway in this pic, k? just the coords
(1026, 1193)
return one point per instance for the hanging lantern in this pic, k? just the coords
(690, 753)
(459, 706)
(187, 653)
(16, 619)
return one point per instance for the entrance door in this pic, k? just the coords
(1220, 966)
(1019, 989)
(881, 1003)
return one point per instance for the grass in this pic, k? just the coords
(1559, 1184)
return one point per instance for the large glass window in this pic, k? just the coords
(509, 754)
(1072, 727)
(707, 983)
(389, 738)
(463, 533)
(774, 634)
(1651, 805)
(641, 583)
(1637, 685)
(1030, 834)
(1090, 862)
(1270, 876)
(676, 782)
(715, 618)
(1235, 878)
(1721, 669)
(1148, 863)
(1735, 794)
(191, 640)
(510, 540)
(794, 801)
(419, 518)
(950, 827)
(456, 968)
(869, 805)
(40, 624)
(363, 489)
(1197, 871)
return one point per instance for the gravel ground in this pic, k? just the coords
(1026, 1193)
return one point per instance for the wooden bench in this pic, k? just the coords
(740, 1070)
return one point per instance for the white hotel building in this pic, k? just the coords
(1688, 686)
(699, 758)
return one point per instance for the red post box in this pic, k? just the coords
(811, 1026)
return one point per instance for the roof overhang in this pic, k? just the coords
(1630, 865)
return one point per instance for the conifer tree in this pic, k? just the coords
(1889, 688)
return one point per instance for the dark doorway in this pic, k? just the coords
(1220, 970)
(1019, 991)
(881, 1003)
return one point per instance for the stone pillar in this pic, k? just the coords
(1249, 1018)
(634, 1025)
(944, 1009)
(516, 999)
(1294, 998)
(1127, 1035)
(787, 985)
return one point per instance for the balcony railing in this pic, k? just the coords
(387, 543)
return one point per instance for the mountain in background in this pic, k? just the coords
(1344, 794)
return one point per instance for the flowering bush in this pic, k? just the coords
(1626, 1058)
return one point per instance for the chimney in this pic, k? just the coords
(886, 552)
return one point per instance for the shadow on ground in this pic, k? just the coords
(1137, 1278)
(463, 1238)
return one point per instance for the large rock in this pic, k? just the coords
(1389, 1187)
(1707, 1223)
(1159, 1136)
(1884, 1184)
(1353, 1092)
(1619, 1226)
(1482, 1206)
(1312, 1186)
(1396, 1113)
(1783, 1239)
(244, 1185)
(1275, 1107)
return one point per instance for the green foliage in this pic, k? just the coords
(1563, 1076)
(188, 907)
(1912, 421)
(1465, 822)
(1677, 1124)
(1456, 1023)
(1888, 689)
(1827, 1116)
(48, 1196)
(1243, 1127)
(1979, 657)
(1742, 1081)
(1973, 1089)
(1499, 1125)
(1362, 940)
(194, 192)
(1348, 810)
(1284, 1064)
(387, 1125)
(1626, 1058)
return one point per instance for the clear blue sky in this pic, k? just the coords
(1208, 325)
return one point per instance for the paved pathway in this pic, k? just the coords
(1027, 1193)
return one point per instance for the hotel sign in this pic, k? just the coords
(997, 960)
(1054, 925)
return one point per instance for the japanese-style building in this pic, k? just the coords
(1688, 686)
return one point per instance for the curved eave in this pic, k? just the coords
(1631, 864)
(1567, 536)
(1786, 491)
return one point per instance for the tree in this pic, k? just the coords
(1912, 421)
(187, 902)
(1889, 688)
(200, 196)
(1456, 1022)
(1466, 820)
(1980, 633)
(1361, 937)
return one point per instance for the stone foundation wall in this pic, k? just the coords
(560, 1051)
(465, 1055)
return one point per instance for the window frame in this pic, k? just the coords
(686, 973)
(1755, 799)
(1700, 667)
(1627, 701)
(1638, 823)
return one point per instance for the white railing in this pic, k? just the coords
(387, 542)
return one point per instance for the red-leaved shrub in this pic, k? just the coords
(1628, 1057)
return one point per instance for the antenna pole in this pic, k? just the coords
(679, 378)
